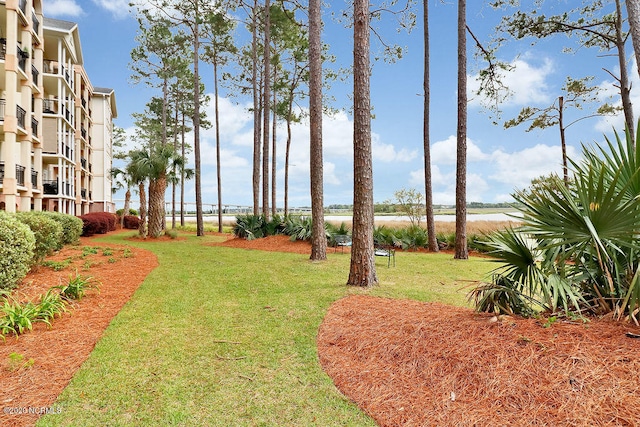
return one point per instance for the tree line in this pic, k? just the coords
(281, 67)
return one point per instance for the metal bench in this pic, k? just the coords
(341, 240)
(386, 251)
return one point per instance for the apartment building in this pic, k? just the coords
(48, 125)
(21, 53)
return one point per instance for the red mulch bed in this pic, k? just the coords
(58, 351)
(409, 363)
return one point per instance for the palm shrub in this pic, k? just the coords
(298, 227)
(582, 238)
(333, 231)
(17, 245)
(413, 237)
(249, 227)
(48, 233)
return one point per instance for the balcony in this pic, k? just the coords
(3, 48)
(21, 115)
(20, 174)
(22, 4)
(3, 104)
(83, 193)
(34, 127)
(22, 59)
(83, 162)
(36, 23)
(50, 187)
(49, 106)
(34, 178)
(1, 172)
(50, 67)
(83, 132)
(35, 74)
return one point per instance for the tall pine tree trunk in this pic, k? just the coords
(256, 90)
(428, 184)
(461, 250)
(362, 271)
(217, 114)
(318, 235)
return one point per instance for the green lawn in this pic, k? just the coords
(226, 337)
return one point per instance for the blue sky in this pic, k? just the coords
(499, 160)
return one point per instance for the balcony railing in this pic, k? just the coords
(49, 106)
(50, 66)
(3, 104)
(83, 162)
(21, 115)
(20, 174)
(83, 132)
(34, 127)
(83, 193)
(34, 178)
(3, 48)
(35, 74)
(50, 187)
(1, 172)
(23, 6)
(36, 23)
(22, 59)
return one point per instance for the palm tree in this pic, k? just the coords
(155, 165)
(122, 180)
(136, 169)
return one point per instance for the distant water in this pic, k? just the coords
(442, 218)
(390, 218)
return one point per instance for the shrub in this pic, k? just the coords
(17, 244)
(132, 212)
(298, 227)
(98, 223)
(71, 226)
(249, 227)
(131, 222)
(48, 233)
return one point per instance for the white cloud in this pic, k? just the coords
(444, 152)
(527, 84)
(519, 168)
(119, 8)
(57, 8)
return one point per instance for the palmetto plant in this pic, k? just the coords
(579, 244)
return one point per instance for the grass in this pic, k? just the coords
(230, 340)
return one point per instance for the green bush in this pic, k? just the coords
(249, 227)
(71, 227)
(17, 245)
(48, 233)
(131, 212)
(98, 223)
(299, 228)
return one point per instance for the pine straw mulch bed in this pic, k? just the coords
(409, 363)
(58, 351)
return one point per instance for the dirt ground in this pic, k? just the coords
(405, 363)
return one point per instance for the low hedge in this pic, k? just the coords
(71, 226)
(131, 222)
(47, 232)
(98, 223)
(17, 245)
